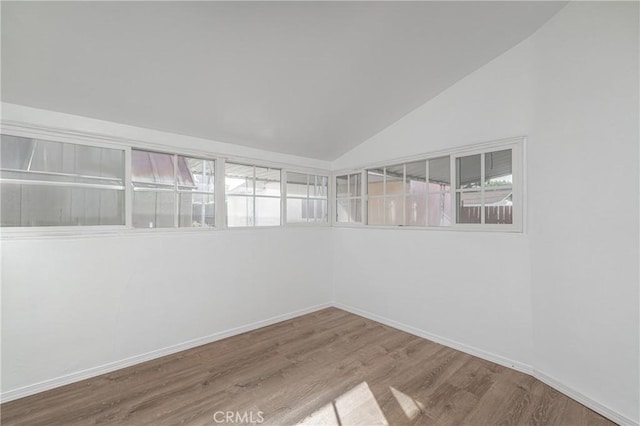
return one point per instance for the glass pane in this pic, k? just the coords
(439, 174)
(196, 174)
(46, 205)
(498, 207)
(318, 186)
(375, 211)
(239, 211)
(468, 207)
(47, 157)
(342, 187)
(153, 209)
(498, 168)
(375, 182)
(238, 179)
(152, 167)
(97, 207)
(416, 177)
(10, 202)
(440, 209)
(393, 210)
(141, 168)
(395, 180)
(93, 161)
(196, 210)
(297, 184)
(57, 161)
(415, 211)
(162, 168)
(267, 181)
(320, 210)
(354, 185)
(296, 210)
(468, 171)
(15, 152)
(342, 210)
(355, 211)
(267, 211)
(112, 163)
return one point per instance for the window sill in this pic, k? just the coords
(493, 229)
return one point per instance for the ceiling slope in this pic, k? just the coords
(312, 79)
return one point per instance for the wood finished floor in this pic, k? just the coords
(328, 367)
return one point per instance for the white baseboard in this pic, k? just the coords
(584, 400)
(137, 359)
(506, 362)
(489, 356)
(524, 368)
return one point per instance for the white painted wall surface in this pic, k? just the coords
(563, 297)
(71, 304)
(75, 306)
(583, 194)
(469, 287)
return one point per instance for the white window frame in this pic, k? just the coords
(253, 196)
(76, 139)
(286, 197)
(174, 189)
(361, 197)
(516, 144)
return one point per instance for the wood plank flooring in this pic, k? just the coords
(329, 367)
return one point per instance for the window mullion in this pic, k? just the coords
(482, 173)
(426, 198)
(284, 199)
(176, 195)
(404, 194)
(452, 190)
(384, 195)
(220, 206)
(253, 217)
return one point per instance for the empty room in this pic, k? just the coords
(320, 213)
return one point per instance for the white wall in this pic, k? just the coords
(75, 306)
(562, 298)
(583, 194)
(70, 304)
(471, 288)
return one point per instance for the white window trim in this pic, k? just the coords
(127, 144)
(173, 188)
(286, 197)
(253, 196)
(517, 144)
(362, 197)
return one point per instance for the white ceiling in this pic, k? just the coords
(307, 78)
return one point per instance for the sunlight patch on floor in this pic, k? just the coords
(357, 406)
(410, 406)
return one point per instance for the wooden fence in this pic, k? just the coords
(492, 214)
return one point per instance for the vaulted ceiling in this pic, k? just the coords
(307, 78)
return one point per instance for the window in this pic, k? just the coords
(401, 194)
(349, 198)
(307, 198)
(252, 195)
(172, 190)
(484, 188)
(47, 183)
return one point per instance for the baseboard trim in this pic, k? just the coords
(137, 359)
(506, 362)
(584, 400)
(489, 356)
